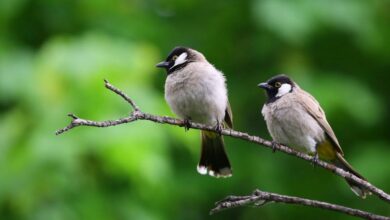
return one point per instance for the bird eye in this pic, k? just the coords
(174, 57)
(278, 84)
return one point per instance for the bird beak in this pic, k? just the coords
(162, 64)
(264, 86)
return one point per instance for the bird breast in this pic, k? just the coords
(197, 92)
(289, 123)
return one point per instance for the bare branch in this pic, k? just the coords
(259, 198)
(84, 122)
(123, 95)
(139, 115)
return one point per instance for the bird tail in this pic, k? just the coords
(213, 159)
(357, 189)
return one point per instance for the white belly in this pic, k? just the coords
(197, 95)
(290, 124)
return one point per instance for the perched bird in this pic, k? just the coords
(196, 91)
(296, 119)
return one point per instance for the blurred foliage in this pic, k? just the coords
(54, 55)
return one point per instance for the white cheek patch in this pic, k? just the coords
(180, 59)
(284, 89)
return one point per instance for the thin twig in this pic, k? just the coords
(123, 95)
(259, 198)
(139, 115)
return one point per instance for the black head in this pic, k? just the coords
(178, 58)
(277, 87)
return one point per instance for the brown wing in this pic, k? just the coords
(228, 116)
(314, 109)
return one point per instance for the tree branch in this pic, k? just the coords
(259, 198)
(137, 114)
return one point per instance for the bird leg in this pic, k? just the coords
(186, 124)
(219, 128)
(314, 160)
(274, 146)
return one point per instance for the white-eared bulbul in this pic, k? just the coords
(196, 91)
(296, 119)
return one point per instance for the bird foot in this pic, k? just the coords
(274, 146)
(218, 128)
(186, 124)
(314, 160)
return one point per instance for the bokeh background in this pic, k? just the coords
(54, 55)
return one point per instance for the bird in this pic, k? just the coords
(296, 119)
(196, 91)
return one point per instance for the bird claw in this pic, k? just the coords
(274, 146)
(314, 160)
(186, 124)
(218, 128)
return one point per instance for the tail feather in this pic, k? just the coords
(213, 159)
(357, 189)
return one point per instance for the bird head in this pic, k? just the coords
(277, 86)
(179, 57)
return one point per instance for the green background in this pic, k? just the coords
(54, 55)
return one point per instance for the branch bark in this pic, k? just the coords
(260, 198)
(137, 114)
